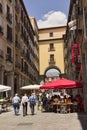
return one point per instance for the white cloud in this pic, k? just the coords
(52, 19)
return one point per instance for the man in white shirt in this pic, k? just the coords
(24, 104)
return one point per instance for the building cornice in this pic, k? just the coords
(51, 39)
(48, 28)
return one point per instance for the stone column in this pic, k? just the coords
(10, 81)
(84, 76)
(85, 96)
(1, 74)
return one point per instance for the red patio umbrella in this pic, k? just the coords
(62, 83)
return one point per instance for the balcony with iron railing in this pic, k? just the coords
(17, 45)
(9, 17)
(0, 8)
(9, 58)
(1, 54)
(52, 62)
(17, 64)
(25, 70)
(1, 30)
(10, 1)
(79, 11)
(23, 54)
(51, 49)
(17, 9)
(9, 37)
(17, 26)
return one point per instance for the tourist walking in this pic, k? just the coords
(24, 103)
(32, 100)
(16, 103)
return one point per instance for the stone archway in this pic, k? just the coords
(51, 73)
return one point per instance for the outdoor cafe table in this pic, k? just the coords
(60, 106)
(3, 105)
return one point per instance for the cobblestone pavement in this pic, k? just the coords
(42, 121)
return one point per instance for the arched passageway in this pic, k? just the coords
(52, 73)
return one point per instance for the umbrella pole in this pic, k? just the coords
(6, 94)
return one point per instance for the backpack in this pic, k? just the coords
(32, 100)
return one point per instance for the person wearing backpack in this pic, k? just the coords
(32, 100)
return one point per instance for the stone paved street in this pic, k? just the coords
(42, 121)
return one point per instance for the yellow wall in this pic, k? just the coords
(44, 53)
(44, 56)
(57, 33)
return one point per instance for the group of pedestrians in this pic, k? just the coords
(16, 101)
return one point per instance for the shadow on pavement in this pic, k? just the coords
(83, 120)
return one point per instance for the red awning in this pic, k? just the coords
(62, 83)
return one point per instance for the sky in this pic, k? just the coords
(48, 13)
